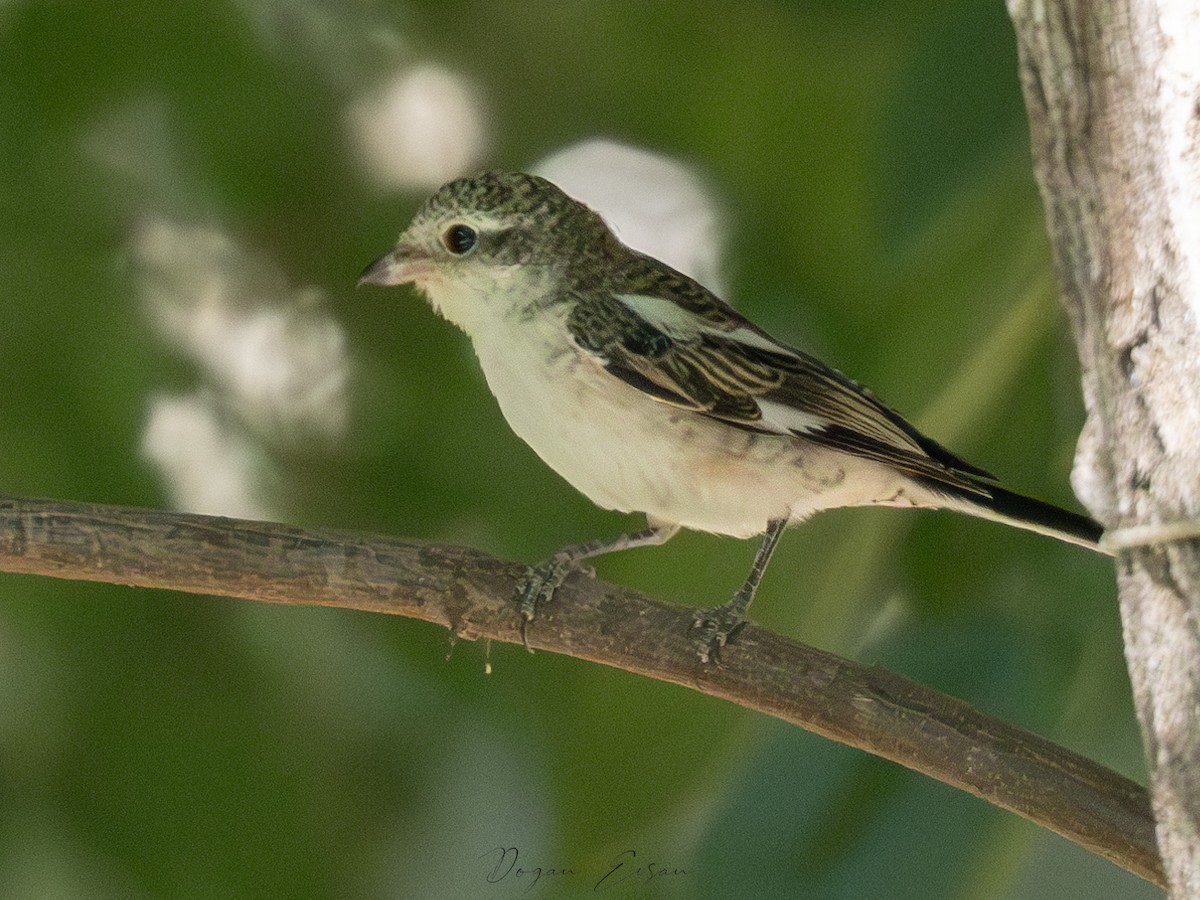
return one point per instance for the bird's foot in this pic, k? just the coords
(714, 628)
(540, 584)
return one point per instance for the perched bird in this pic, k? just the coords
(649, 394)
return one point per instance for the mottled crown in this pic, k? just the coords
(505, 193)
(532, 219)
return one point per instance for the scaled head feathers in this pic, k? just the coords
(518, 219)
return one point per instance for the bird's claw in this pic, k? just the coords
(714, 628)
(539, 587)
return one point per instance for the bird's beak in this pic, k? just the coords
(400, 266)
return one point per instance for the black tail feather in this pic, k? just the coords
(1017, 506)
(1034, 515)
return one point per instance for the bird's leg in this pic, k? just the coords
(720, 625)
(544, 578)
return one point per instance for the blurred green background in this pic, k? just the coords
(870, 160)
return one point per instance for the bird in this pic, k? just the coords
(651, 395)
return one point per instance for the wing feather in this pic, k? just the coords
(688, 349)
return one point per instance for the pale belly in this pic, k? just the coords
(628, 452)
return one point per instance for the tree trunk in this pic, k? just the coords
(1113, 92)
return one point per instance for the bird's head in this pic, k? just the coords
(494, 242)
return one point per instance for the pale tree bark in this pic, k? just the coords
(1113, 91)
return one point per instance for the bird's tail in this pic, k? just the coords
(1014, 509)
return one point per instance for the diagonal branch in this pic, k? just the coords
(470, 593)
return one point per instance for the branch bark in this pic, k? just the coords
(1112, 90)
(471, 594)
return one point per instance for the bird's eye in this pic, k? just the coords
(460, 239)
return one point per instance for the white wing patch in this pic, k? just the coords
(787, 419)
(665, 315)
(744, 335)
(668, 316)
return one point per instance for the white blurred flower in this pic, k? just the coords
(273, 360)
(419, 130)
(279, 359)
(210, 466)
(655, 204)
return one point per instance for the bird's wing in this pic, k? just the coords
(688, 349)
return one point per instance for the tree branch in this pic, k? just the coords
(471, 594)
(1111, 88)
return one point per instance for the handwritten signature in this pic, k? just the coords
(624, 868)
